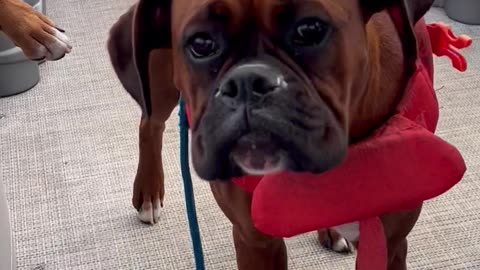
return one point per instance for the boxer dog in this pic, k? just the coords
(271, 85)
(32, 31)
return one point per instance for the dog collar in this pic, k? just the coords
(397, 168)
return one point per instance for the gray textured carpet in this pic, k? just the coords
(69, 154)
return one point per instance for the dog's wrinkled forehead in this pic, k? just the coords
(263, 12)
(186, 11)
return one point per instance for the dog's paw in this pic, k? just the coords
(33, 32)
(149, 212)
(55, 43)
(148, 200)
(332, 240)
(48, 43)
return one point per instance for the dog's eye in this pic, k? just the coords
(202, 45)
(310, 32)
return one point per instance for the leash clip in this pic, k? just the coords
(445, 43)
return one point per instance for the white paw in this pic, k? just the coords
(58, 47)
(341, 245)
(50, 45)
(38, 52)
(150, 212)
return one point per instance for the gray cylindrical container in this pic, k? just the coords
(17, 73)
(464, 11)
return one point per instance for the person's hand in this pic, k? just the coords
(32, 31)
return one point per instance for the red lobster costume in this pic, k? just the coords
(397, 168)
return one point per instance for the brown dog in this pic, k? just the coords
(32, 31)
(299, 80)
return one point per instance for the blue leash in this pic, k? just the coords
(188, 189)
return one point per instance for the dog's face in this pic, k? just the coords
(270, 83)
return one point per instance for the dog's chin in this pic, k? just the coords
(258, 154)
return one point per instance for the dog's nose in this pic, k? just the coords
(249, 82)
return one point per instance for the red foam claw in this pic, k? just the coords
(463, 41)
(458, 61)
(445, 42)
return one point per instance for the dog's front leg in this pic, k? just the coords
(148, 190)
(397, 226)
(254, 250)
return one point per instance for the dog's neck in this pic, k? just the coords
(385, 84)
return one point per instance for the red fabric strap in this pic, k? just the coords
(372, 246)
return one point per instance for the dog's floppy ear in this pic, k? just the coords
(414, 10)
(143, 29)
(407, 13)
(151, 31)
